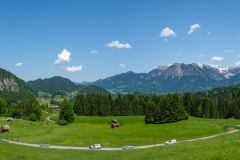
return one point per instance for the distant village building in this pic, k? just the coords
(114, 123)
(54, 107)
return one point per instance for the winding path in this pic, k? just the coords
(138, 147)
(51, 116)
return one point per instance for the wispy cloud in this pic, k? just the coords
(209, 32)
(63, 57)
(118, 45)
(146, 65)
(122, 65)
(237, 63)
(215, 65)
(193, 28)
(74, 68)
(166, 32)
(165, 40)
(19, 64)
(215, 58)
(93, 52)
(230, 50)
(198, 55)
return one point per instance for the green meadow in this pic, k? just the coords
(224, 147)
(89, 130)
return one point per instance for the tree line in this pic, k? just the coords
(221, 102)
(26, 109)
(157, 109)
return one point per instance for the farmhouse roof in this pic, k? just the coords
(54, 106)
(114, 121)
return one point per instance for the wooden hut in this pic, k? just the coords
(114, 123)
(5, 128)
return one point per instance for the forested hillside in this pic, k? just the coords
(93, 89)
(14, 88)
(57, 84)
(52, 84)
(223, 102)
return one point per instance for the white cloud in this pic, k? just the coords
(63, 57)
(230, 50)
(198, 55)
(118, 45)
(74, 68)
(237, 63)
(215, 65)
(93, 51)
(167, 32)
(146, 65)
(165, 40)
(122, 65)
(209, 32)
(215, 58)
(193, 28)
(19, 64)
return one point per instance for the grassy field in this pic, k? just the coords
(89, 130)
(224, 147)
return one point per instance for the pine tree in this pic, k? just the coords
(206, 108)
(149, 113)
(87, 108)
(66, 112)
(79, 104)
(104, 107)
(188, 102)
(116, 106)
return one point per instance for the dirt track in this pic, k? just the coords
(137, 147)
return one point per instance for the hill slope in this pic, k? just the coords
(57, 83)
(93, 89)
(13, 87)
(52, 84)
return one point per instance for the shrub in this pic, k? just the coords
(62, 122)
(32, 117)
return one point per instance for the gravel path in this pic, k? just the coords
(51, 116)
(137, 147)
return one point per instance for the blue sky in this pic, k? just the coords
(87, 40)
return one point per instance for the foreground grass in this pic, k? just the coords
(89, 130)
(224, 147)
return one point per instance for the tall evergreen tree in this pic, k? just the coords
(87, 108)
(79, 105)
(206, 108)
(66, 112)
(149, 113)
(188, 102)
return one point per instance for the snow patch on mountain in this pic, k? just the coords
(223, 70)
(199, 64)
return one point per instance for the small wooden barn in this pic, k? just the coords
(5, 128)
(114, 123)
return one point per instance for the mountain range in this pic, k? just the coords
(178, 77)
